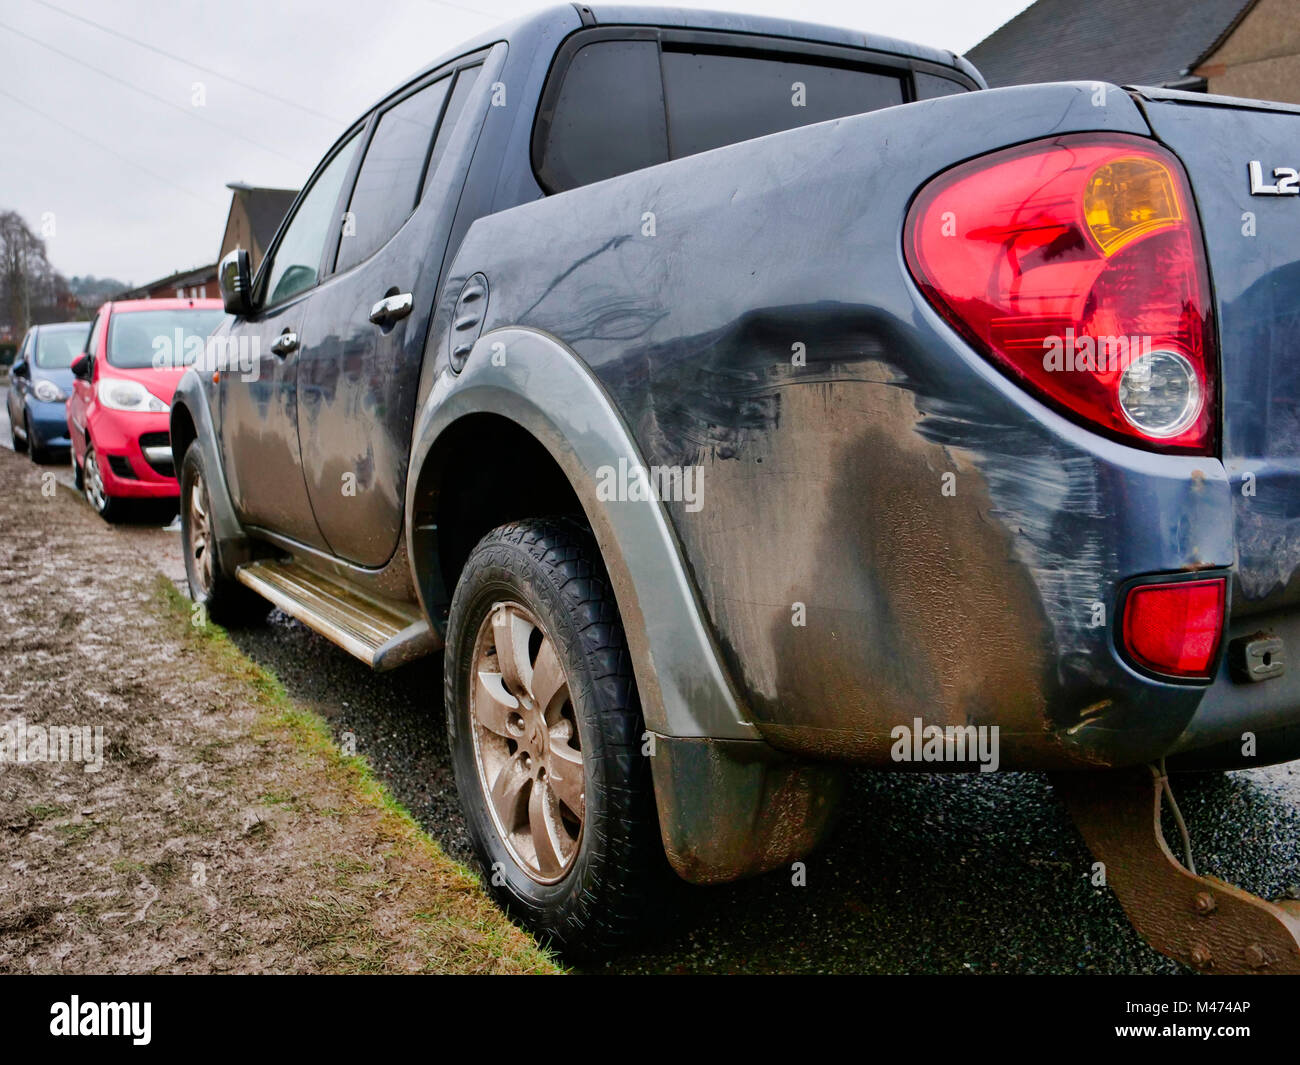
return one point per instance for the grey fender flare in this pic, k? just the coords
(232, 540)
(545, 388)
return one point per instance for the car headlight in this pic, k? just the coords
(48, 392)
(121, 394)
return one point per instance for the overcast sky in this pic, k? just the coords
(102, 141)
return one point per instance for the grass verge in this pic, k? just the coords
(384, 896)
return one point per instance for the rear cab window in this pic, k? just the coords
(716, 98)
(620, 99)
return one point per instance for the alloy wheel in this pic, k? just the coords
(199, 534)
(93, 480)
(526, 743)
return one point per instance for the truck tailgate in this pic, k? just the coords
(1253, 240)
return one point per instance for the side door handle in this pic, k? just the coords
(285, 343)
(391, 309)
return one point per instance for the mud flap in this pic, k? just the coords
(1200, 921)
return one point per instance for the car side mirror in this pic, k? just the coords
(234, 276)
(81, 367)
(19, 369)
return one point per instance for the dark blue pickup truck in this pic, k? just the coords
(732, 400)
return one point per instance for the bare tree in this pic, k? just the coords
(30, 288)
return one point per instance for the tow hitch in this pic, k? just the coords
(1198, 920)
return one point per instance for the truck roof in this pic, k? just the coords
(573, 16)
(731, 22)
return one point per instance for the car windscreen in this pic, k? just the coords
(58, 345)
(141, 339)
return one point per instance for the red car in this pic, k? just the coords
(122, 391)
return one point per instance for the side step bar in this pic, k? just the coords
(382, 633)
(1198, 920)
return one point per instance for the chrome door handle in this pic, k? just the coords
(391, 309)
(285, 343)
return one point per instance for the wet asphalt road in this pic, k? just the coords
(923, 873)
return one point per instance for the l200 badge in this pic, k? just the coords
(1286, 181)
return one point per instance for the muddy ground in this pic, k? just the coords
(209, 824)
(922, 874)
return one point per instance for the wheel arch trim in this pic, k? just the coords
(190, 398)
(541, 385)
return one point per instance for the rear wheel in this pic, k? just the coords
(546, 732)
(92, 487)
(226, 600)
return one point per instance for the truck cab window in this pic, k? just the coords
(715, 98)
(295, 264)
(388, 183)
(459, 94)
(609, 117)
(627, 104)
(932, 86)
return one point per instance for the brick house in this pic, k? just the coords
(1245, 48)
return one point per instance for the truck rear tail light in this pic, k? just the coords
(1174, 629)
(1076, 265)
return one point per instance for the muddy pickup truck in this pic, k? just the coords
(731, 401)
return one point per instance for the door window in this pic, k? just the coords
(96, 331)
(295, 266)
(388, 183)
(464, 82)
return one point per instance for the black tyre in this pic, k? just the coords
(211, 583)
(92, 487)
(20, 444)
(39, 453)
(546, 733)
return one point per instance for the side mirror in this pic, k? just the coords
(235, 279)
(20, 369)
(81, 367)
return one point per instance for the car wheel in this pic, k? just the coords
(39, 454)
(92, 487)
(19, 445)
(226, 600)
(546, 731)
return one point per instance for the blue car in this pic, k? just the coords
(40, 382)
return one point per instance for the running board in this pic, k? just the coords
(383, 633)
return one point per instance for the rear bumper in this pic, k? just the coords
(1243, 722)
(134, 454)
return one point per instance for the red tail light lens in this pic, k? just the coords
(1077, 266)
(1174, 629)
